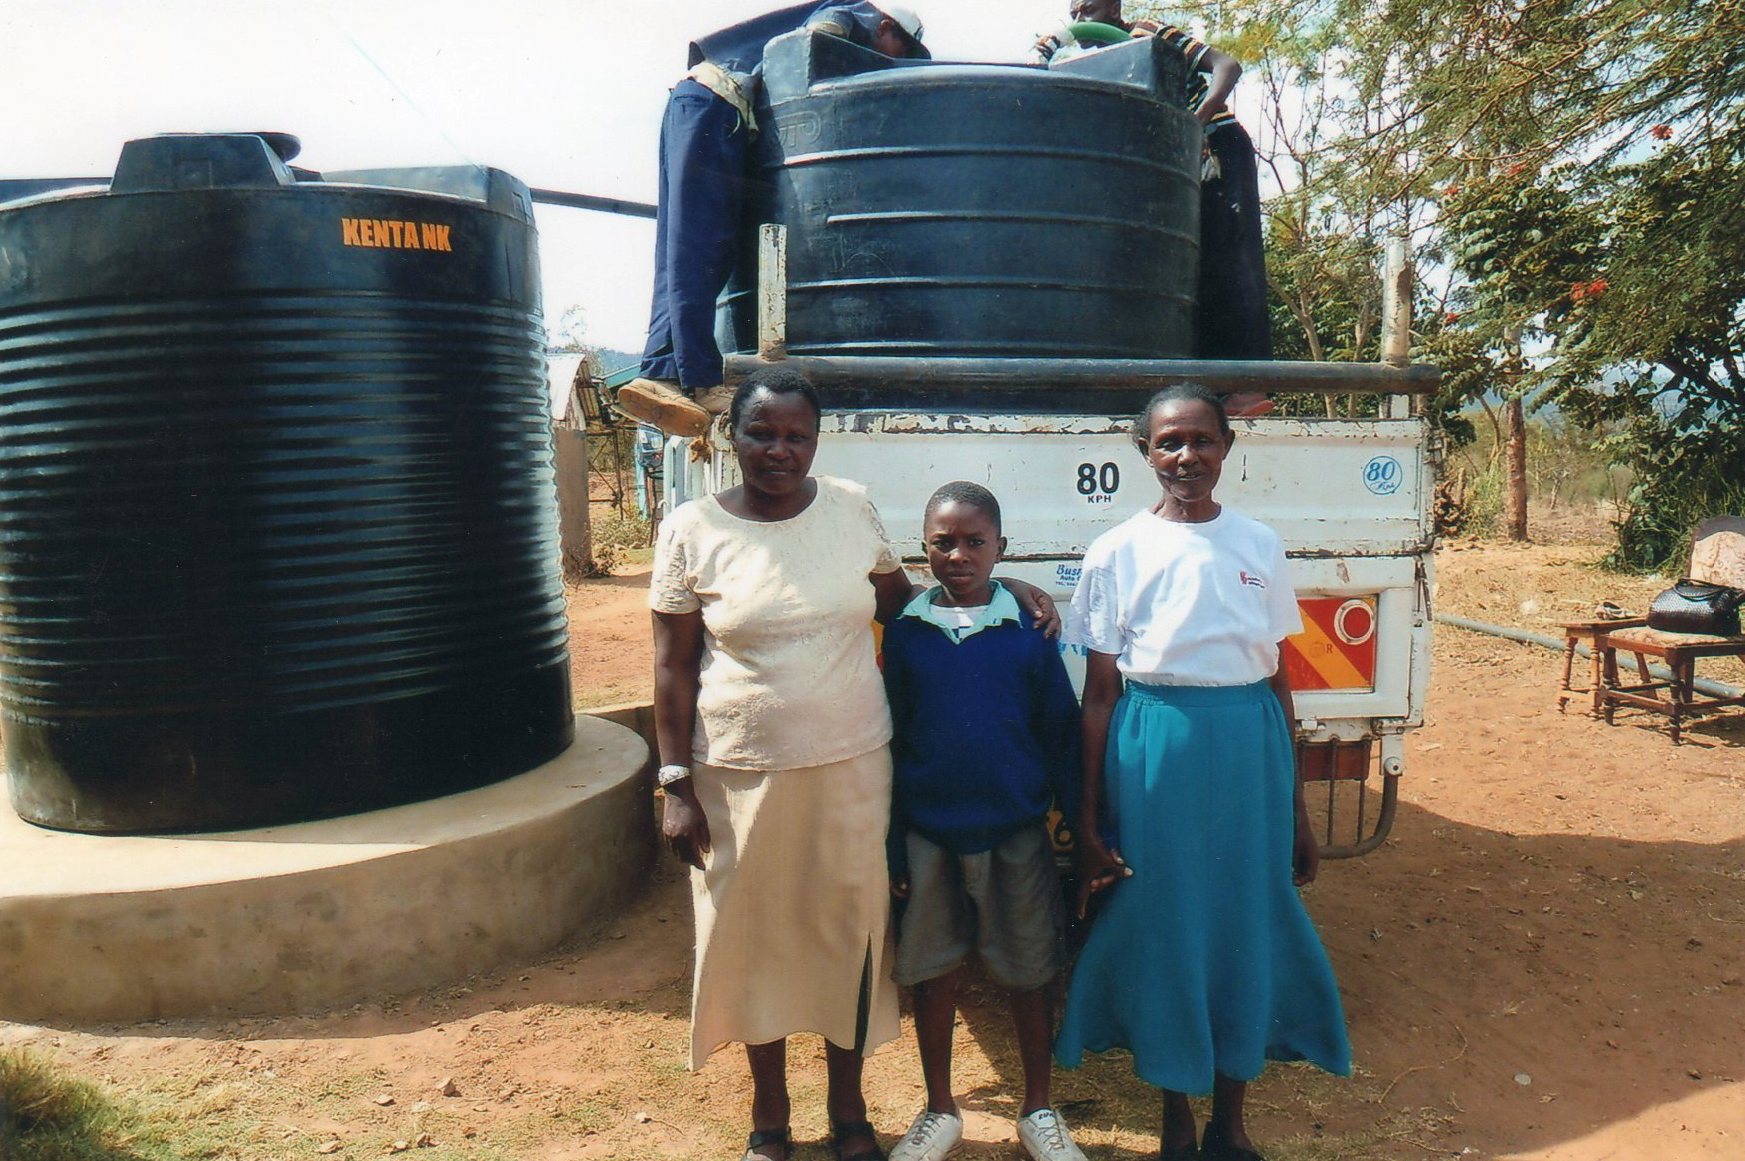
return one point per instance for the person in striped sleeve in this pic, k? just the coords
(1232, 321)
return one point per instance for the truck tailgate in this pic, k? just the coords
(1331, 488)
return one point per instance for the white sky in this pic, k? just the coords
(564, 95)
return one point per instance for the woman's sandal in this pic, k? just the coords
(759, 1137)
(844, 1131)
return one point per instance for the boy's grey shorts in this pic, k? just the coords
(1003, 903)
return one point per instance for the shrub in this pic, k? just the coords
(615, 534)
(1679, 484)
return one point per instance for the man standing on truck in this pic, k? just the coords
(705, 143)
(1232, 320)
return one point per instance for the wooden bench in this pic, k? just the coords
(1680, 652)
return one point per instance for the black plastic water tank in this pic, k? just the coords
(277, 517)
(991, 210)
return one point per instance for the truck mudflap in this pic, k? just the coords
(1352, 790)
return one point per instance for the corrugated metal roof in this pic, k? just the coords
(622, 375)
(560, 374)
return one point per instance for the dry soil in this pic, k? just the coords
(1543, 961)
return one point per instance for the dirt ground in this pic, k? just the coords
(1544, 961)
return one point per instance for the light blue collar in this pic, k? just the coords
(1001, 607)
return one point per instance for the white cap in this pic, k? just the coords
(906, 17)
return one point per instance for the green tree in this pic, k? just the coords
(1575, 172)
(1593, 148)
(1654, 347)
(1326, 234)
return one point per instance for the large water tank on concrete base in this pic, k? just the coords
(972, 209)
(277, 518)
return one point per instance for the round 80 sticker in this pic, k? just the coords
(1383, 475)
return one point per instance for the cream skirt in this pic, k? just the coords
(793, 908)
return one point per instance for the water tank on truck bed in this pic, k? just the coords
(976, 209)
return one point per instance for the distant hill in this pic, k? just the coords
(611, 360)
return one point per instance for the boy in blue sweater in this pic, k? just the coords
(985, 737)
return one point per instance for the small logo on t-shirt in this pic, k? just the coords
(1249, 578)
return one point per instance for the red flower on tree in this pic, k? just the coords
(1661, 132)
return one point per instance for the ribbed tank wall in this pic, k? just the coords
(277, 529)
(985, 210)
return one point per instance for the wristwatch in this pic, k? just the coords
(667, 775)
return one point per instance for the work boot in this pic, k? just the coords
(663, 404)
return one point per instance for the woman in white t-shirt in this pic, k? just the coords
(1203, 962)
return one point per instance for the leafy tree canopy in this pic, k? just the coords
(1571, 171)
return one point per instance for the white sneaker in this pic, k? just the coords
(930, 1137)
(1043, 1135)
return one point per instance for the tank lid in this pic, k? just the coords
(195, 161)
(286, 145)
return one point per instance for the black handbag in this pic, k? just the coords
(1697, 607)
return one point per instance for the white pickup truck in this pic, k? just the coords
(1350, 497)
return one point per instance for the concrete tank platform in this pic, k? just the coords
(104, 928)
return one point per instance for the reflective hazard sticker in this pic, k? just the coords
(1336, 649)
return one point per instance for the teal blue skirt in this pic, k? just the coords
(1204, 961)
